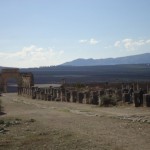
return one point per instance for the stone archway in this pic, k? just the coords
(23, 79)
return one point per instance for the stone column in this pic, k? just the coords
(85, 98)
(95, 98)
(30, 92)
(33, 93)
(46, 94)
(42, 94)
(39, 93)
(136, 99)
(74, 94)
(19, 90)
(68, 96)
(22, 91)
(25, 91)
(146, 100)
(77, 97)
(81, 96)
(71, 96)
(54, 94)
(100, 94)
(126, 97)
(61, 95)
(5, 86)
(65, 95)
(91, 97)
(57, 95)
(27, 94)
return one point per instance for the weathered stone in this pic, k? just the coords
(126, 97)
(136, 99)
(146, 100)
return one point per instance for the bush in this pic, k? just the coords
(79, 86)
(2, 122)
(108, 100)
(1, 106)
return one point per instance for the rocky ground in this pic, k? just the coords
(42, 125)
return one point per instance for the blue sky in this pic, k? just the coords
(49, 32)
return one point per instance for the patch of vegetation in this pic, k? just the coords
(108, 100)
(1, 108)
(32, 120)
(79, 85)
(64, 110)
(84, 110)
(8, 123)
(2, 122)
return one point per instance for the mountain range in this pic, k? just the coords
(134, 59)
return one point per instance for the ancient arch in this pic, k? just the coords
(23, 79)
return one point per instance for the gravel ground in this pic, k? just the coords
(44, 125)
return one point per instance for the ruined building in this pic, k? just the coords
(22, 79)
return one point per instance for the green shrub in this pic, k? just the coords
(2, 122)
(32, 120)
(79, 86)
(108, 100)
(0, 106)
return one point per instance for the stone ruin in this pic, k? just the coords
(86, 94)
(22, 79)
(90, 94)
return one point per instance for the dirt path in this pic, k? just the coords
(69, 126)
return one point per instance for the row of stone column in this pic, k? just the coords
(137, 99)
(86, 97)
(39, 93)
(60, 94)
(66, 95)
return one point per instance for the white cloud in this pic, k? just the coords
(83, 41)
(148, 41)
(131, 44)
(117, 44)
(128, 44)
(31, 56)
(91, 41)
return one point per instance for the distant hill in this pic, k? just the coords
(132, 68)
(134, 59)
(90, 74)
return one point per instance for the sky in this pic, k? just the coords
(36, 33)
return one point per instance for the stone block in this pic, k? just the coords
(126, 97)
(146, 100)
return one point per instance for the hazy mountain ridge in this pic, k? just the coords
(134, 59)
(90, 74)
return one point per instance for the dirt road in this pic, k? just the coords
(44, 125)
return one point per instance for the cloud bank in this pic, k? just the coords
(91, 41)
(31, 56)
(131, 44)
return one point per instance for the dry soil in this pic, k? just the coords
(45, 125)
